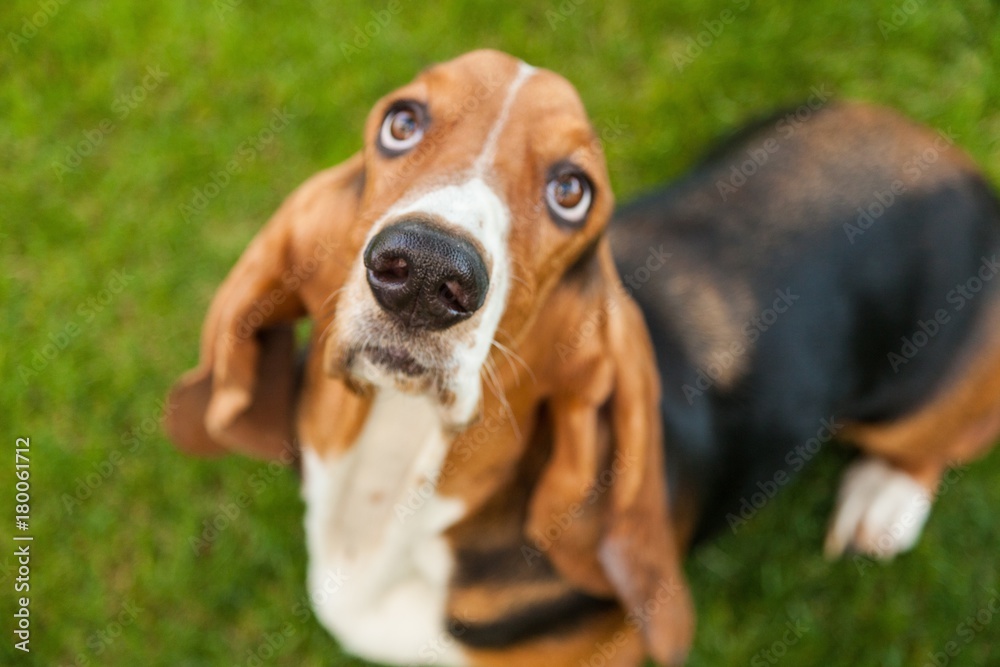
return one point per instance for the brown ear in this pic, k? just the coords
(600, 509)
(241, 396)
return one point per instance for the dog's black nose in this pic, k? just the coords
(425, 277)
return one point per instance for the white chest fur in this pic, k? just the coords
(378, 564)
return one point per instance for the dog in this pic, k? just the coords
(479, 416)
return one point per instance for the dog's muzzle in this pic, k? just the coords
(424, 277)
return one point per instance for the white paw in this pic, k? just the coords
(880, 511)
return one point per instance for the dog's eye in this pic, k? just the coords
(568, 195)
(402, 129)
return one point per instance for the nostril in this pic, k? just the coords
(391, 271)
(454, 296)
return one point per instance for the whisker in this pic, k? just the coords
(510, 365)
(511, 356)
(503, 332)
(326, 331)
(327, 301)
(491, 379)
(514, 276)
(491, 370)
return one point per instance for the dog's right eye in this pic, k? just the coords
(402, 128)
(569, 195)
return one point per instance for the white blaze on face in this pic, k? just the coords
(473, 208)
(486, 157)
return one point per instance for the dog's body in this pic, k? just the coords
(843, 288)
(478, 417)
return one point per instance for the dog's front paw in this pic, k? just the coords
(880, 511)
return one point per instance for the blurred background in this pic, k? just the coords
(142, 144)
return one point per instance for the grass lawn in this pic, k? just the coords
(117, 117)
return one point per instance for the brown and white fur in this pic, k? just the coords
(452, 473)
(483, 463)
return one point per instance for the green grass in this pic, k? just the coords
(124, 551)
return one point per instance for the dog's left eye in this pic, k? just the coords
(569, 195)
(402, 129)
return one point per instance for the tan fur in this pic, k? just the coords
(714, 322)
(590, 644)
(484, 604)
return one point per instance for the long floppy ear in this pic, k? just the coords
(600, 507)
(241, 396)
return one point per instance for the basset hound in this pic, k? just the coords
(480, 414)
(477, 413)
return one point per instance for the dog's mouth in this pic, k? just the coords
(394, 359)
(393, 363)
(372, 352)
(375, 358)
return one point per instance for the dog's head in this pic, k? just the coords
(483, 182)
(479, 184)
